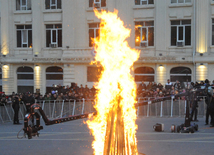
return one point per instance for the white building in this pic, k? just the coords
(45, 42)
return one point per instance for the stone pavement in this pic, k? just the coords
(73, 138)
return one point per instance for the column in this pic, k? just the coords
(69, 74)
(38, 79)
(161, 73)
(7, 79)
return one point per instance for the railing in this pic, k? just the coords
(169, 108)
(7, 112)
(58, 109)
(52, 109)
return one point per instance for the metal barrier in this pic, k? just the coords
(57, 109)
(169, 108)
(7, 112)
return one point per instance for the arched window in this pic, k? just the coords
(25, 79)
(0, 79)
(54, 76)
(93, 73)
(146, 74)
(182, 74)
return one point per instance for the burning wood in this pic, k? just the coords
(114, 125)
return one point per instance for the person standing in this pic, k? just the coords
(208, 111)
(210, 99)
(168, 85)
(194, 105)
(29, 100)
(16, 107)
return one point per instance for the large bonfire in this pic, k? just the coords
(114, 127)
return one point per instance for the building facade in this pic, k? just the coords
(46, 42)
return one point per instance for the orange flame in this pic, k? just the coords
(116, 87)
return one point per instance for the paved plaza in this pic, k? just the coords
(73, 138)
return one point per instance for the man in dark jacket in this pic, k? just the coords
(194, 105)
(29, 100)
(210, 106)
(15, 106)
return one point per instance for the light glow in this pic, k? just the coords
(202, 72)
(37, 77)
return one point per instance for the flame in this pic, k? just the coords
(114, 127)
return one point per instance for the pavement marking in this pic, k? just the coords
(154, 141)
(138, 133)
(175, 141)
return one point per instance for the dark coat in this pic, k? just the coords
(15, 104)
(29, 99)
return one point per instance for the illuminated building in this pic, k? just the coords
(54, 35)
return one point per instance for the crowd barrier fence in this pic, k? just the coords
(58, 109)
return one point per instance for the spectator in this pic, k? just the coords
(54, 97)
(47, 98)
(168, 85)
(177, 85)
(154, 86)
(141, 87)
(59, 88)
(86, 89)
(3, 99)
(160, 86)
(76, 88)
(172, 92)
(63, 90)
(93, 89)
(71, 96)
(182, 85)
(149, 86)
(156, 93)
(40, 98)
(59, 97)
(65, 97)
(29, 100)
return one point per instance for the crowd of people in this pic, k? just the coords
(74, 92)
(58, 93)
(154, 90)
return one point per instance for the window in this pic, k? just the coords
(212, 31)
(182, 74)
(94, 32)
(181, 32)
(23, 4)
(144, 2)
(53, 4)
(144, 33)
(93, 73)
(54, 75)
(97, 3)
(24, 36)
(146, 74)
(54, 35)
(180, 1)
(25, 79)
